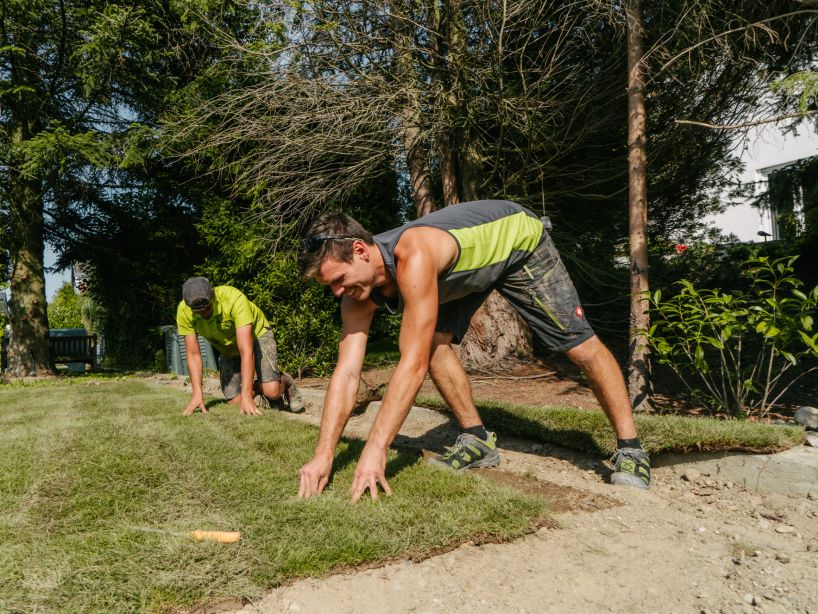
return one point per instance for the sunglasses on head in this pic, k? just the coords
(312, 243)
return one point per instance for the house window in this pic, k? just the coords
(791, 198)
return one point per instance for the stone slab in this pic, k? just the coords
(792, 472)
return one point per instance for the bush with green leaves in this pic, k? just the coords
(738, 352)
(65, 309)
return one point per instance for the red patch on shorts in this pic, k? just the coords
(578, 312)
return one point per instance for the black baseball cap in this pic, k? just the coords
(197, 292)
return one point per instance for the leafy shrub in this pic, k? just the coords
(65, 310)
(738, 352)
(303, 314)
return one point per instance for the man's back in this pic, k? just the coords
(493, 236)
(231, 310)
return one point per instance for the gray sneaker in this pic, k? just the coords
(469, 452)
(261, 402)
(631, 468)
(291, 394)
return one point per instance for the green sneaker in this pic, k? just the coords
(469, 452)
(291, 394)
(631, 468)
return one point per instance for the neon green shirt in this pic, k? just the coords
(231, 310)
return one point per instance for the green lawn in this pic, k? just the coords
(590, 432)
(85, 461)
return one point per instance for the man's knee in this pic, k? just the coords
(587, 352)
(442, 338)
(271, 390)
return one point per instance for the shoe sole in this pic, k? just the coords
(628, 479)
(490, 461)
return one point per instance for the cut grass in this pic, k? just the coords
(86, 463)
(590, 432)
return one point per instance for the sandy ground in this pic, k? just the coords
(689, 544)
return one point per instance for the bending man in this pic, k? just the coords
(238, 329)
(438, 270)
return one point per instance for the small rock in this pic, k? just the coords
(748, 598)
(812, 440)
(784, 528)
(537, 447)
(782, 558)
(691, 475)
(807, 417)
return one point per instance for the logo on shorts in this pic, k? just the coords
(578, 312)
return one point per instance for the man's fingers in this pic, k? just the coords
(357, 490)
(310, 485)
(359, 487)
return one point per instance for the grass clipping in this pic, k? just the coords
(590, 432)
(86, 461)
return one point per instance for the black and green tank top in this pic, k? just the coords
(493, 236)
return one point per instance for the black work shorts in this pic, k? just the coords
(541, 291)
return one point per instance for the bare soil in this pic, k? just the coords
(689, 544)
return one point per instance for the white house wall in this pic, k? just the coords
(764, 149)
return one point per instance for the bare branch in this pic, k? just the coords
(759, 122)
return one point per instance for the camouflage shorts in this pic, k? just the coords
(265, 357)
(541, 291)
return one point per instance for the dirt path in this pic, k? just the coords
(696, 545)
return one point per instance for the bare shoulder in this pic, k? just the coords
(427, 242)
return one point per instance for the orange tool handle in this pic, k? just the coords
(224, 537)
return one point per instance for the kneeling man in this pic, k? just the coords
(238, 329)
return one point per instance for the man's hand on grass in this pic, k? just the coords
(197, 402)
(314, 477)
(248, 407)
(370, 472)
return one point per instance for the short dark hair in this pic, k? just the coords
(333, 234)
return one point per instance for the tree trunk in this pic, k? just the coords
(470, 170)
(638, 359)
(448, 173)
(497, 336)
(28, 343)
(416, 155)
(419, 177)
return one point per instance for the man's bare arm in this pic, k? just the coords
(417, 273)
(244, 343)
(194, 368)
(341, 394)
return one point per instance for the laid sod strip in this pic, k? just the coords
(590, 432)
(86, 467)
